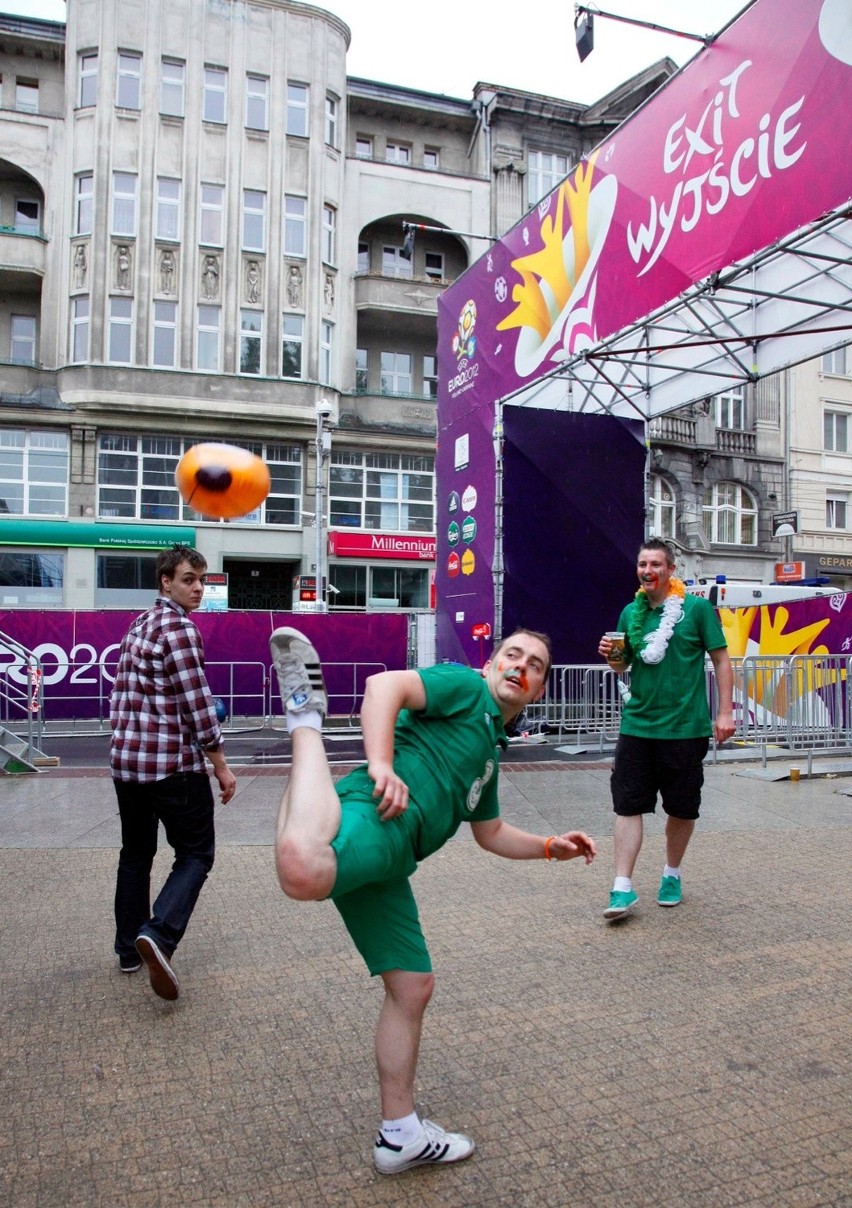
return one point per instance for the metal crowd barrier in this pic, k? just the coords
(799, 702)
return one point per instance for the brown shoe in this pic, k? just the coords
(164, 980)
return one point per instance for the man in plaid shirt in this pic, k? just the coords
(164, 723)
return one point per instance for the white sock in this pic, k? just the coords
(671, 872)
(404, 1131)
(310, 717)
(622, 885)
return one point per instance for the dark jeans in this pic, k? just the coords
(184, 805)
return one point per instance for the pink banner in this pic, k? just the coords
(744, 146)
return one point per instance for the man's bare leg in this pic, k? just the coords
(308, 820)
(398, 1038)
(628, 842)
(309, 815)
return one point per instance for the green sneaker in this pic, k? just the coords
(620, 902)
(669, 894)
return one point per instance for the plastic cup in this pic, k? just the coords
(616, 637)
(795, 773)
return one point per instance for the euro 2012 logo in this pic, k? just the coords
(464, 341)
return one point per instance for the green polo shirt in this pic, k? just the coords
(448, 754)
(669, 699)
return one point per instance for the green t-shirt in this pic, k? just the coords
(448, 754)
(669, 699)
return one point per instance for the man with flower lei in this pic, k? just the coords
(665, 725)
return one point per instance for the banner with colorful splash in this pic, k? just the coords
(822, 625)
(742, 147)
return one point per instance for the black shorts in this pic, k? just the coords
(672, 767)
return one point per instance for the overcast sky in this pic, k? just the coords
(448, 45)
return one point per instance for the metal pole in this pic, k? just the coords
(320, 516)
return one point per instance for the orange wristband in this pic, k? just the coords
(547, 844)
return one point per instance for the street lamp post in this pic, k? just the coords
(323, 447)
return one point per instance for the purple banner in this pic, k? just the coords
(79, 650)
(573, 523)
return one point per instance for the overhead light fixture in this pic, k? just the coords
(584, 33)
(584, 29)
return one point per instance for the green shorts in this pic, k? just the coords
(371, 891)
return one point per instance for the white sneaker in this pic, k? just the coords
(297, 666)
(431, 1145)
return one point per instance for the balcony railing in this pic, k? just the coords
(735, 442)
(412, 294)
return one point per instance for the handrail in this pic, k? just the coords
(26, 698)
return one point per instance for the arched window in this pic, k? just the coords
(730, 514)
(663, 518)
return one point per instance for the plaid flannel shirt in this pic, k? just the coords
(161, 710)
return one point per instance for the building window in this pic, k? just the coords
(33, 472)
(361, 376)
(27, 217)
(83, 204)
(136, 479)
(326, 352)
(389, 491)
(394, 264)
(164, 338)
(88, 89)
(292, 338)
(398, 587)
(26, 96)
(128, 84)
(172, 88)
(257, 102)
(23, 343)
(123, 203)
(254, 220)
(168, 208)
(835, 428)
(430, 377)
(546, 171)
(331, 110)
(397, 153)
(730, 515)
(835, 362)
(207, 347)
(251, 341)
(80, 330)
(329, 223)
(297, 109)
(295, 215)
(433, 265)
(396, 373)
(431, 159)
(212, 219)
(662, 500)
(32, 578)
(363, 258)
(120, 330)
(837, 510)
(215, 93)
(363, 147)
(730, 409)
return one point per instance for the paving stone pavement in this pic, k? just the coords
(680, 1059)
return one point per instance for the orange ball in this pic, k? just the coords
(222, 481)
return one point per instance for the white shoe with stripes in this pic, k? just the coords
(297, 666)
(432, 1145)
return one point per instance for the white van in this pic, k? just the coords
(742, 594)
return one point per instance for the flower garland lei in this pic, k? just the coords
(652, 647)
